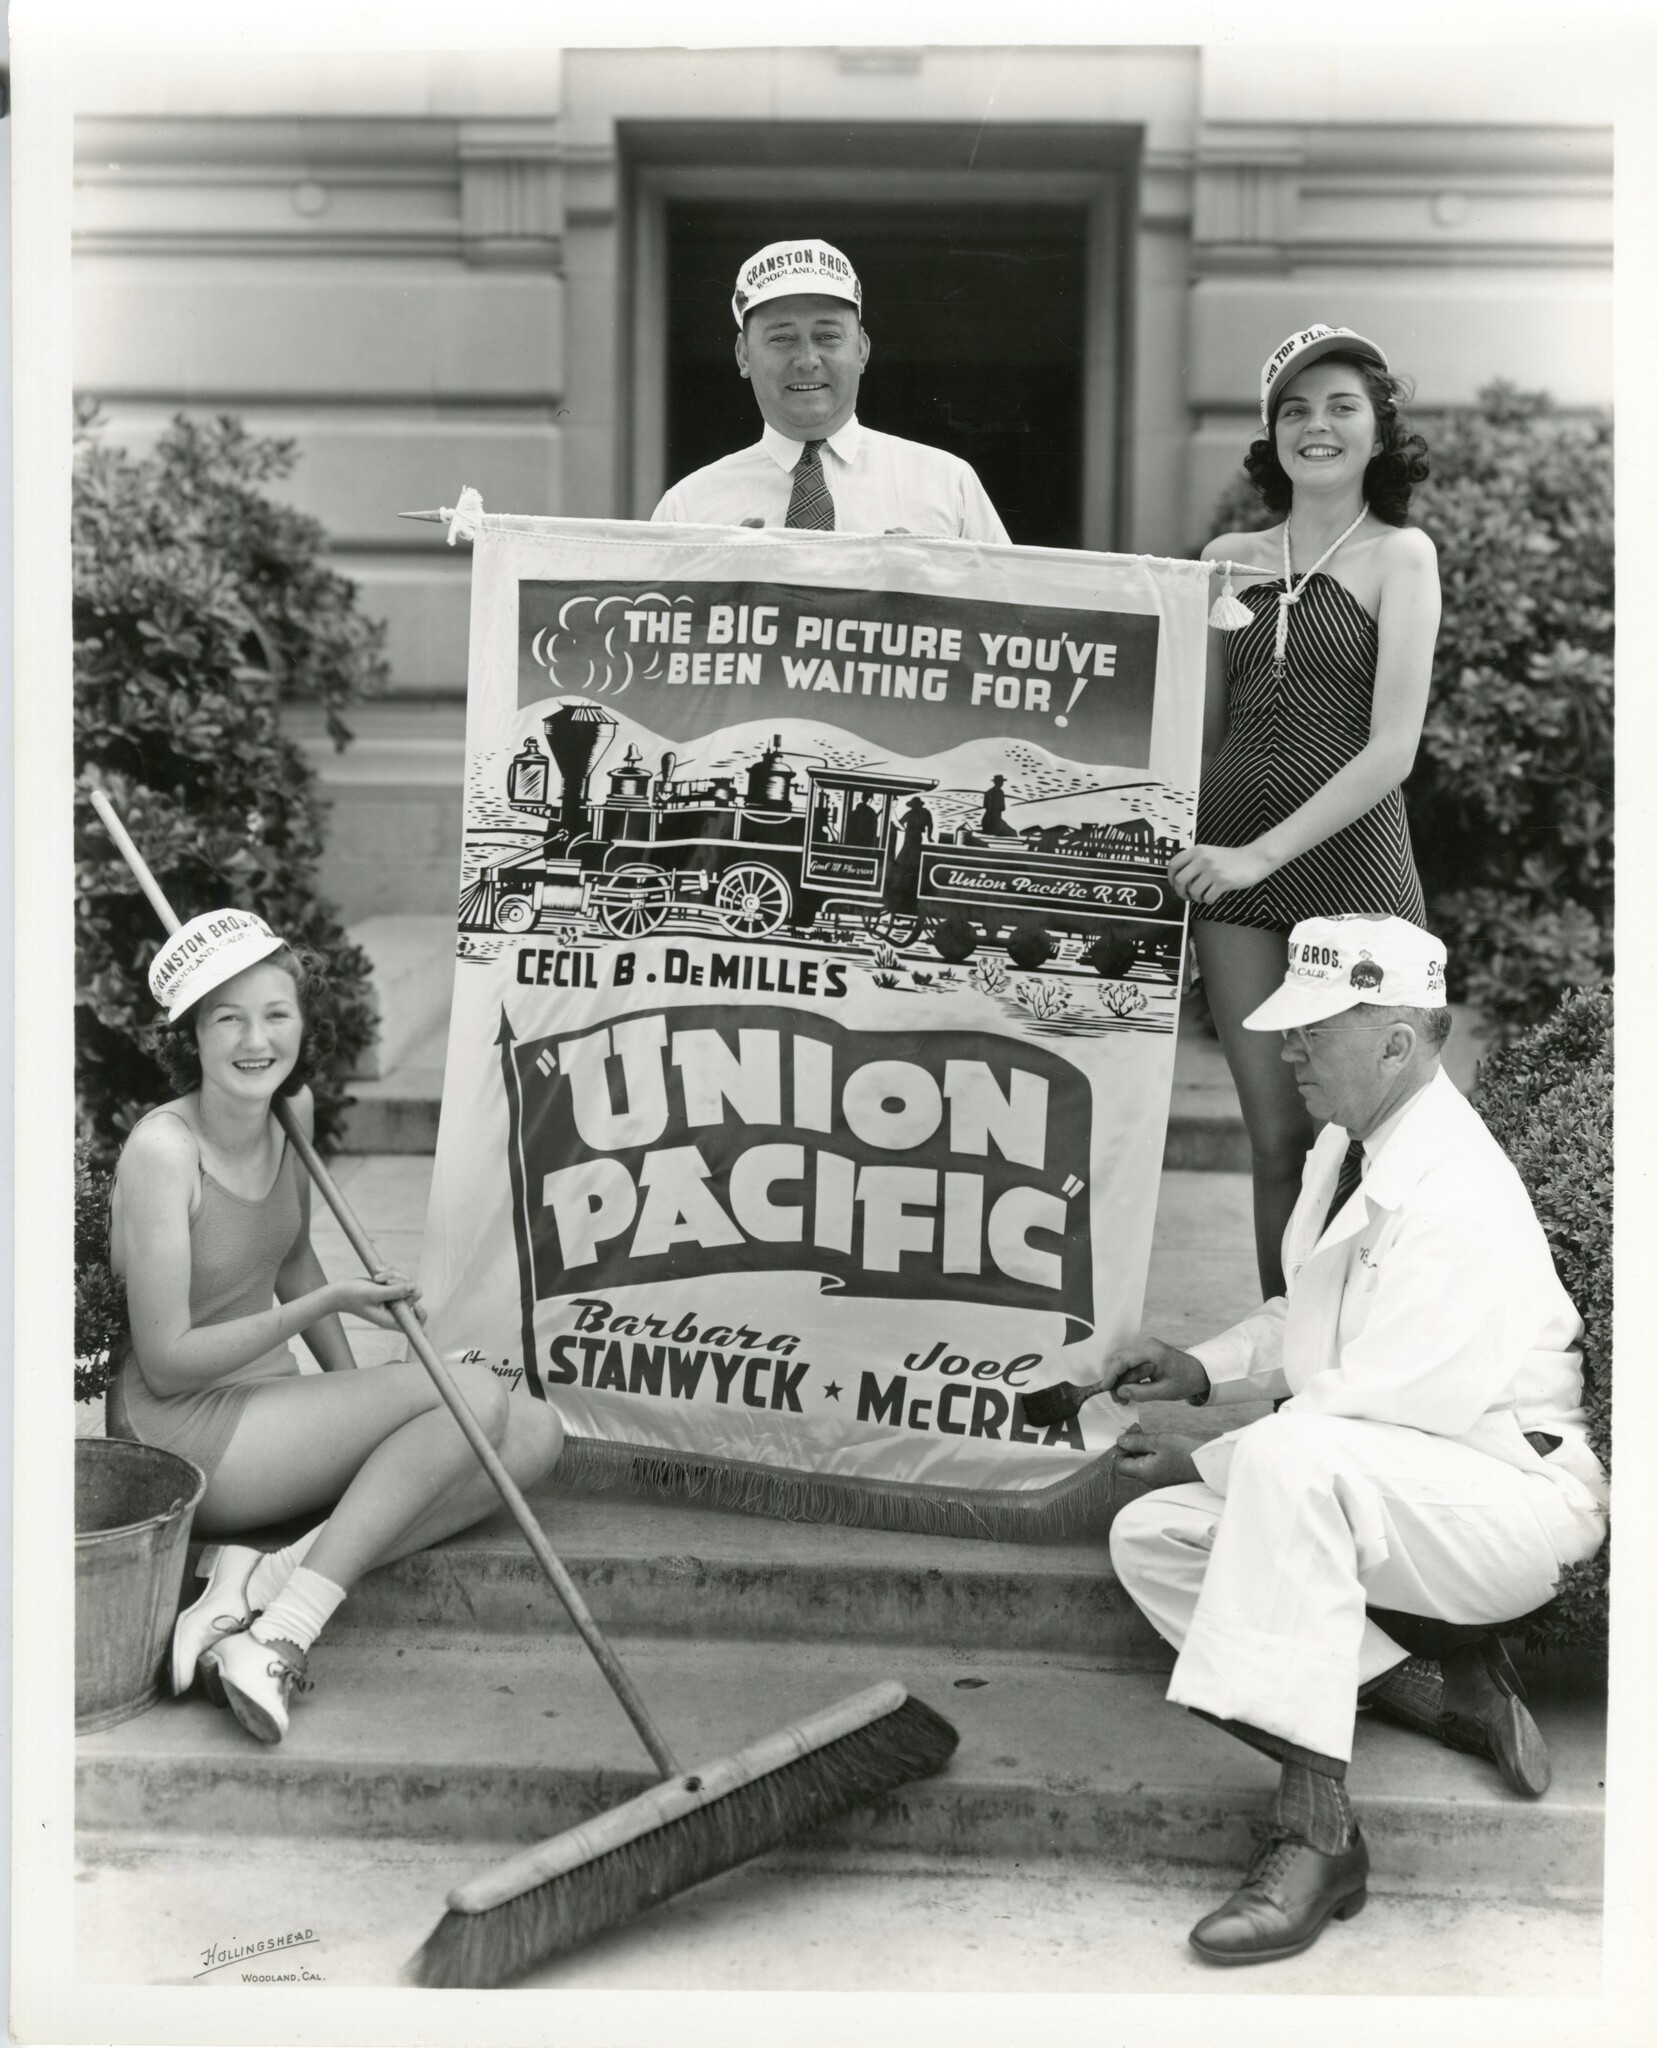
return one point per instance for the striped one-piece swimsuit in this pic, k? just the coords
(1283, 743)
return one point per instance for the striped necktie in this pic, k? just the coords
(809, 503)
(1352, 1166)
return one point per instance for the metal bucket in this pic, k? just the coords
(133, 1507)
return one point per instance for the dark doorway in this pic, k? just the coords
(977, 323)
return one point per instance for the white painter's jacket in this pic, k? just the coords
(1431, 1302)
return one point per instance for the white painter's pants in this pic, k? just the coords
(1262, 1589)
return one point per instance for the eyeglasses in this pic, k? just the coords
(1307, 1037)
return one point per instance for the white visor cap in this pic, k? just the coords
(205, 953)
(1292, 356)
(1336, 962)
(783, 268)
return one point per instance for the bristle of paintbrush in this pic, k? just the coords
(1050, 1405)
(548, 1919)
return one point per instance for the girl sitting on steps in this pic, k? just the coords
(210, 1230)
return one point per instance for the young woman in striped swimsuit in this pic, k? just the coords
(1314, 712)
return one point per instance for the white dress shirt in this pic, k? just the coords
(1430, 1301)
(879, 484)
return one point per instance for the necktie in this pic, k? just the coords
(809, 503)
(1352, 1166)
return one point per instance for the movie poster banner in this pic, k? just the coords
(816, 983)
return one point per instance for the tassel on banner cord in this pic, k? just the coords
(1229, 611)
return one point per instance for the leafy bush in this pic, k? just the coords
(100, 1299)
(1511, 801)
(1547, 1100)
(1510, 804)
(198, 600)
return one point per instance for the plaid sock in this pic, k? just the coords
(1278, 1746)
(1411, 1693)
(1315, 1808)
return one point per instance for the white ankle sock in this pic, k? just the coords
(270, 1574)
(300, 1612)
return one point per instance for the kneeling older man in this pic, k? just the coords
(1428, 1455)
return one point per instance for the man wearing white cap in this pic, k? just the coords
(1428, 1456)
(800, 342)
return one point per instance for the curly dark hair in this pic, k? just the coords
(1391, 475)
(174, 1048)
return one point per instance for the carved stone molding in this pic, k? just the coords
(511, 194)
(1271, 198)
(1244, 198)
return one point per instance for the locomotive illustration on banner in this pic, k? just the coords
(819, 853)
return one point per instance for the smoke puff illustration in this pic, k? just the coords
(601, 645)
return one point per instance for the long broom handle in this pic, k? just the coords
(505, 1485)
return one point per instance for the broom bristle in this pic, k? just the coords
(1050, 1405)
(480, 1950)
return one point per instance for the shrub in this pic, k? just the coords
(198, 599)
(1511, 801)
(100, 1299)
(1547, 1100)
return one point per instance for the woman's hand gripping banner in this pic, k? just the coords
(817, 973)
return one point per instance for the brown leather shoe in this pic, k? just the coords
(1473, 1702)
(1485, 1714)
(1290, 1894)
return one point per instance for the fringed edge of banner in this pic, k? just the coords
(1077, 1505)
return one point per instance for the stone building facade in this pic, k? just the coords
(513, 272)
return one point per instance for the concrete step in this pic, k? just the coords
(397, 1111)
(420, 1735)
(412, 965)
(667, 1569)
(394, 798)
(179, 1909)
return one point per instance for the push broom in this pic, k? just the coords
(693, 1825)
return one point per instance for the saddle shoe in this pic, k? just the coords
(1289, 1896)
(222, 1610)
(257, 1679)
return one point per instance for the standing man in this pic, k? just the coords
(800, 343)
(1428, 1457)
